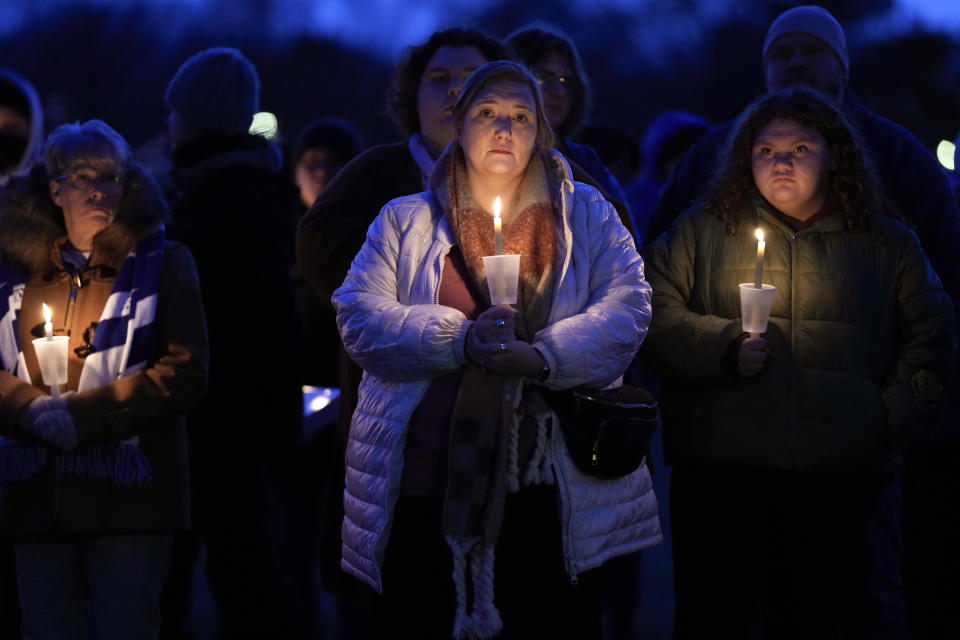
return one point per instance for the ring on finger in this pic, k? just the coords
(503, 347)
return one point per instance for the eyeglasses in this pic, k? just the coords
(87, 179)
(545, 77)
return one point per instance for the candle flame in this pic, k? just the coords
(496, 207)
(760, 235)
(46, 313)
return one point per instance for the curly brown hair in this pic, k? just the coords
(852, 182)
(405, 84)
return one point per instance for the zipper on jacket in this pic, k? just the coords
(794, 340)
(76, 283)
(595, 452)
(439, 267)
(567, 516)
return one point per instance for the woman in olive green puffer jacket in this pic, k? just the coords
(784, 498)
(860, 338)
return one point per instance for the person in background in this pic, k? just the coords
(94, 481)
(667, 137)
(794, 435)
(234, 210)
(21, 124)
(21, 140)
(476, 542)
(320, 150)
(616, 147)
(566, 94)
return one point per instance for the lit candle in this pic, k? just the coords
(48, 325)
(758, 274)
(497, 235)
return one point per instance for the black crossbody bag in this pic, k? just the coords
(607, 432)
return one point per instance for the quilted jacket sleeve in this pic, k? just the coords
(393, 340)
(596, 342)
(927, 350)
(682, 344)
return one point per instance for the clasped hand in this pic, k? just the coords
(752, 356)
(492, 343)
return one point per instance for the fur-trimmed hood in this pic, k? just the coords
(31, 224)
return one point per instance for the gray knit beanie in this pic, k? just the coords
(812, 20)
(216, 91)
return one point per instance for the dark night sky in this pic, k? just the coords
(333, 57)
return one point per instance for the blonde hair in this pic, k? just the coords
(70, 144)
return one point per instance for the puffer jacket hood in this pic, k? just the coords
(16, 83)
(30, 222)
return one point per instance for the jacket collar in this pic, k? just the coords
(765, 215)
(197, 159)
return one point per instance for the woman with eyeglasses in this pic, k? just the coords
(93, 474)
(566, 99)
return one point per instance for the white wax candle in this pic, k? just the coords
(48, 325)
(497, 235)
(758, 273)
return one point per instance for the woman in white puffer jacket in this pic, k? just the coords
(452, 454)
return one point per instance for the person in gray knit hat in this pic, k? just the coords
(806, 46)
(217, 90)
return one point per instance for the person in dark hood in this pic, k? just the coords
(234, 210)
(21, 124)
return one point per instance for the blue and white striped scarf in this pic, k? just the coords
(122, 345)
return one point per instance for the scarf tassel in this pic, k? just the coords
(539, 471)
(120, 462)
(486, 619)
(462, 623)
(20, 460)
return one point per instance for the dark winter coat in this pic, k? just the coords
(909, 175)
(150, 403)
(235, 210)
(861, 344)
(584, 159)
(906, 170)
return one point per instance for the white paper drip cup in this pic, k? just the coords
(502, 276)
(755, 307)
(52, 355)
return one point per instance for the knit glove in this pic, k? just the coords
(48, 419)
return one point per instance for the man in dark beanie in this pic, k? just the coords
(806, 46)
(234, 210)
